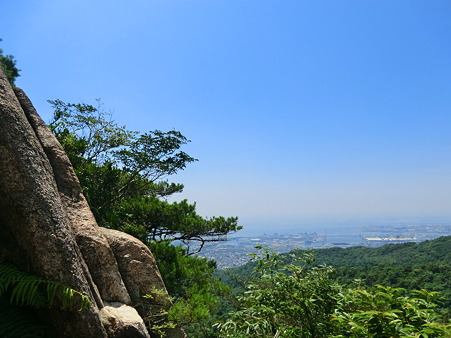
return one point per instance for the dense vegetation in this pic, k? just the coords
(356, 278)
(304, 299)
(426, 265)
(408, 265)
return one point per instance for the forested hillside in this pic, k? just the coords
(389, 291)
(355, 292)
(424, 252)
(435, 255)
(425, 265)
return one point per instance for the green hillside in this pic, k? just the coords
(431, 251)
(425, 265)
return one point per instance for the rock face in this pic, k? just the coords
(46, 227)
(134, 259)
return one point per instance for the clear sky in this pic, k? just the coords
(297, 110)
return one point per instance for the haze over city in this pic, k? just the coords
(300, 112)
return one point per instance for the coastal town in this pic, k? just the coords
(236, 250)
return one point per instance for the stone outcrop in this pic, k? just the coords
(93, 245)
(134, 259)
(46, 227)
(122, 321)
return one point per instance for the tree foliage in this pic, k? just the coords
(9, 65)
(285, 301)
(123, 176)
(295, 300)
(425, 265)
(383, 311)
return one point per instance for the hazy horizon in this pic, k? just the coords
(333, 225)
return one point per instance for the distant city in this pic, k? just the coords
(235, 251)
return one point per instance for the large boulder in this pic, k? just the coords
(140, 272)
(47, 227)
(122, 321)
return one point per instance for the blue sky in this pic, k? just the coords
(298, 111)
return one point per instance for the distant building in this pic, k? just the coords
(379, 241)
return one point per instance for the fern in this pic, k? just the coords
(21, 294)
(30, 290)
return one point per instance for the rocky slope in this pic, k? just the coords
(46, 227)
